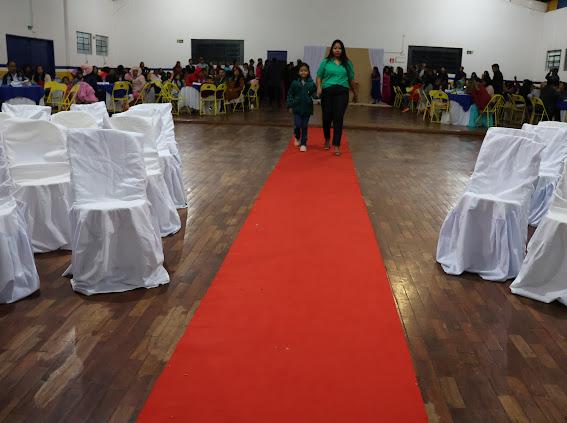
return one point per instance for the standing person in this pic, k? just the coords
(550, 95)
(274, 77)
(497, 79)
(300, 103)
(190, 68)
(376, 85)
(552, 76)
(386, 85)
(334, 77)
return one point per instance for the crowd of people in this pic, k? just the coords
(481, 88)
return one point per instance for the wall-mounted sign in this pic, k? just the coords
(180, 41)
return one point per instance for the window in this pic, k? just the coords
(436, 57)
(553, 59)
(220, 51)
(84, 45)
(101, 45)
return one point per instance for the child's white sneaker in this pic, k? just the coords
(303, 148)
(296, 142)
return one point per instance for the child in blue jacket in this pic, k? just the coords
(300, 103)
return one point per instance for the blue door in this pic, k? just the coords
(32, 51)
(280, 55)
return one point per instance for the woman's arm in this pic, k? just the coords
(319, 87)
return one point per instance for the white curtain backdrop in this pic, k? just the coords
(377, 58)
(313, 55)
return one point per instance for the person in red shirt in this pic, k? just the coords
(478, 92)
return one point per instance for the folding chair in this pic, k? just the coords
(208, 96)
(252, 96)
(491, 110)
(56, 95)
(70, 97)
(115, 244)
(487, 230)
(517, 109)
(74, 119)
(424, 103)
(537, 116)
(120, 91)
(220, 101)
(439, 104)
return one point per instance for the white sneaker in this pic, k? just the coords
(296, 142)
(303, 148)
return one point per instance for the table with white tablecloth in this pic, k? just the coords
(190, 96)
(460, 109)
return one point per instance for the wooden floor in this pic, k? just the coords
(481, 354)
(382, 118)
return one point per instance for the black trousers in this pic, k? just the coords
(334, 102)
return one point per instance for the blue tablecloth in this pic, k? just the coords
(562, 105)
(106, 86)
(464, 100)
(33, 92)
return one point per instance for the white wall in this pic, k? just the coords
(554, 38)
(495, 30)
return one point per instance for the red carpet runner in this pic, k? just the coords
(299, 324)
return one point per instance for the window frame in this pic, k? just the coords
(80, 37)
(553, 59)
(101, 52)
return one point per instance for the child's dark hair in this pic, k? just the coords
(304, 65)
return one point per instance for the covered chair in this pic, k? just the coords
(552, 124)
(543, 275)
(39, 166)
(486, 232)
(27, 111)
(74, 120)
(115, 245)
(97, 110)
(169, 157)
(551, 166)
(18, 275)
(158, 195)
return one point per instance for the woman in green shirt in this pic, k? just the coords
(334, 77)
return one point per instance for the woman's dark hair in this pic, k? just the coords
(37, 76)
(240, 74)
(344, 58)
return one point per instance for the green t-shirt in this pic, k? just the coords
(333, 74)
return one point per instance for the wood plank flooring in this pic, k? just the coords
(481, 354)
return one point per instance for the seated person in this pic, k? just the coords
(13, 75)
(178, 80)
(221, 77)
(40, 77)
(235, 84)
(138, 81)
(479, 94)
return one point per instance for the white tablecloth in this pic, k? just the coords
(189, 97)
(458, 115)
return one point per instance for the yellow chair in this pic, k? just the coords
(143, 95)
(238, 101)
(252, 95)
(492, 110)
(398, 97)
(120, 91)
(439, 104)
(70, 97)
(220, 101)
(538, 104)
(56, 95)
(424, 104)
(208, 95)
(170, 94)
(518, 108)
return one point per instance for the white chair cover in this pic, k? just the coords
(543, 275)
(486, 232)
(4, 117)
(27, 111)
(115, 245)
(97, 110)
(18, 274)
(169, 157)
(551, 168)
(74, 120)
(38, 164)
(158, 195)
(552, 124)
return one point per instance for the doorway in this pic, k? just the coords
(32, 51)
